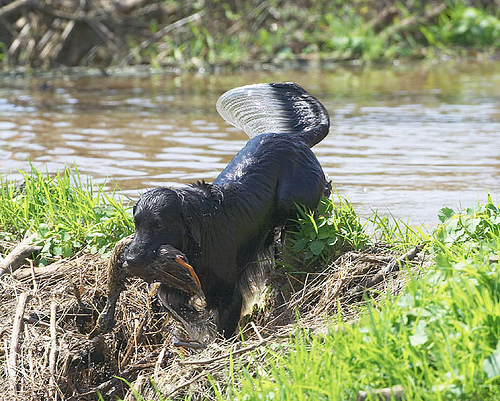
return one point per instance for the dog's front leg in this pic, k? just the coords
(117, 275)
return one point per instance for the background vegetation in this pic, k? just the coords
(204, 34)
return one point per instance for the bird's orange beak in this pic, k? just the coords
(189, 268)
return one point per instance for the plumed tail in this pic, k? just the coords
(275, 108)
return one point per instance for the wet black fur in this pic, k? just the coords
(226, 229)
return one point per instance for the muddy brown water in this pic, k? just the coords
(405, 140)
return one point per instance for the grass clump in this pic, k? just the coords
(439, 340)
(65, 212)
(320, 236)
(395, 232)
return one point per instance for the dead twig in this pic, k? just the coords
(395, 264)
(15, 341)
(158, 35)
(226, 355)
(16, 7)
(256, 330)
(186, 384)
(390, 268)
(54, 270)
(133, 343)
(53, 349)
(382, 18)
(416, 20)
(144, 363)
(17, 257)
(105, 34)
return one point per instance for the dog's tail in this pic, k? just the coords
(275, 108)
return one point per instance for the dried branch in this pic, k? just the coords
(15, 341)
(53, 348)
(227, 355)
(186, 384)
(390, 268)
(416, 20)
(54, 270)
(158, 35)
(17, 6)
(17, 257)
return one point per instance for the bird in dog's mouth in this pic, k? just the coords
(171, 268)
(181, 293)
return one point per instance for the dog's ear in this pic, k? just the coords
(197, 206)
(194, 229)
(192, 217)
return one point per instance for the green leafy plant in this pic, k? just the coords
(323, 234)
(438, 340)
(464, 26)
(473, 228)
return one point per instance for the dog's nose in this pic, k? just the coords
(132, 258)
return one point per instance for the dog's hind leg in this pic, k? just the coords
(229, 311)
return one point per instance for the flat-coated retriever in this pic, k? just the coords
(227, 229)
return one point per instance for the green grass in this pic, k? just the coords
(440, 339)
(318, 237)
(66, 213)
(395, 232)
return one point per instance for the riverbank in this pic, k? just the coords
(208, 36)
(355, 309)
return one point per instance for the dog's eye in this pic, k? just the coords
(156, 225)
(137, 220)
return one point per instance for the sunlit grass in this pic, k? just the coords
(439, 339)
(66, 213)
(321, 235)
(396, 232)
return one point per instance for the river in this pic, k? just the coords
(405, 140)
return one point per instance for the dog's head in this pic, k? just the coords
(158, 221)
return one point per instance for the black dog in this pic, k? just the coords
(226, 229)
